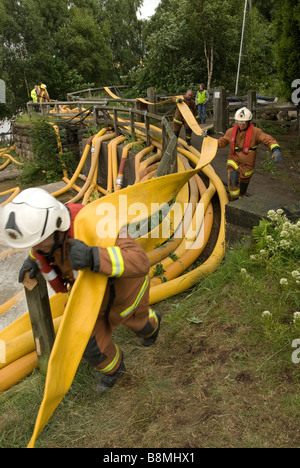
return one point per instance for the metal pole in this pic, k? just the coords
(241, 48)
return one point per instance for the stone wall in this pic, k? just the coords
(22, 140)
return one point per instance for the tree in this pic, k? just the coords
(287, 44)
(187, 43)
(82, 44)
(125, 33)
(258, 61)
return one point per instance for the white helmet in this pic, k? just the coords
(243, 115)
(31, 217)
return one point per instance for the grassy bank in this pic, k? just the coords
(220, 375)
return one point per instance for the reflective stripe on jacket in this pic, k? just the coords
(241, 161)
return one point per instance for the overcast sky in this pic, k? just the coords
(148, 8)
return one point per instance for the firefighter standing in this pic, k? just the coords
(178, 118)
(36, 220)
(243, 139)
(42, 94)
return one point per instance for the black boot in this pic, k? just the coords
(108, 381)
(151, 340)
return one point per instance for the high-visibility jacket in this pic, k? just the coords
(202, 97)
(243, 159)
(34, 95)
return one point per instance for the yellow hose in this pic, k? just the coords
(4, 165)
(111, 162)
(79, 167)
(22, 344)
(17, 370)
(11, 302)
(74, 334)
(74, 330)
(14, 192)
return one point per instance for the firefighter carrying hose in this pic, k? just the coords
(244, 138)
(36, 220)
(178, 118)
(42, 94)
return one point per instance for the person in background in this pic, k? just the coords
(178, 118)
(43, 95)
(202, 97)
(243, 139)
(34, 97)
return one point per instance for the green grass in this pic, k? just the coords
(220, 374)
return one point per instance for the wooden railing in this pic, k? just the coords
(118, 116)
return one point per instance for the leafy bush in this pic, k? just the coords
(48, 163)
(277, 250)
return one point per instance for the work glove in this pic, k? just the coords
(29, 265)
(81, 255)
(277, 156)
(204, 134)
(180, 100)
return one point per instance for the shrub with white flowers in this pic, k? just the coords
(277, 236)
(277, 252)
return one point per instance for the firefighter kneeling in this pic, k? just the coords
(244, 138)
(36, 220)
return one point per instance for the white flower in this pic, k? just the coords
(296, 316)
(262, 251)
(280, 211)
(283, 281)
(266, 313)
(284, 243)
(271, 214)
(296, 274)
(243, 271)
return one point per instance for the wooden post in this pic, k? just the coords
(151, 98)
(117, 132)
(147, 128)
(138, 107)
(220, 109)
(95, 116)
(132, 130)
(40, 316)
